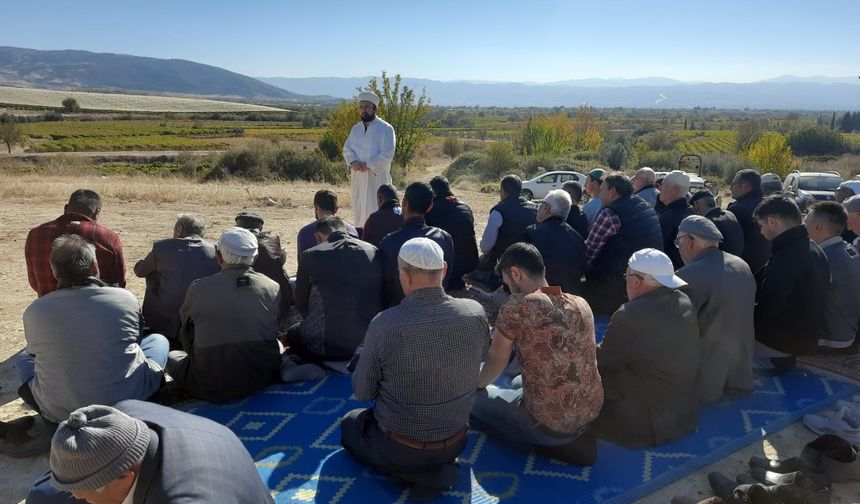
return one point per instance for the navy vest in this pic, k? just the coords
(517, 214)
(640, 228)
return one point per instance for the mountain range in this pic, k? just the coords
(84, 70)
(783, 92)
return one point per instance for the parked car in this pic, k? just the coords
(809, 187)
(537, 187)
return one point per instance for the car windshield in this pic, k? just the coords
(819, 183)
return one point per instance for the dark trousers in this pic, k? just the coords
(364, 440)
(605, 295)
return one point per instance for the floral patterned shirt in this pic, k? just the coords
(554, 336)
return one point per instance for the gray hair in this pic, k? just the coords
(192, 224)
(237, 260)
(649, 280)
(71, 258)
(677, 179)
(647, 175)
(559, 203)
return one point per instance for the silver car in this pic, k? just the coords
(538, 187)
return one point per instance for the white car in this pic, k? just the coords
(537, 187)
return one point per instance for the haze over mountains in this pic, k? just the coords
(84, 70)
(784, 92)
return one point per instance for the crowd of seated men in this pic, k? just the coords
(692, 318)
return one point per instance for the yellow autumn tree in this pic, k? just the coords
(770, 153)
(587, 132)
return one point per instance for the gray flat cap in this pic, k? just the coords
(702, 227)
(852, 204)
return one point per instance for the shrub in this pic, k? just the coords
(546, 135)
(660, 140)
(724, 165)
(267, 161)
(329, 147)
(614, 155)
(816, 141)
(464, 165)
(659, 160)
(70, 105)
(452, 146)
(52, 116)
(748, 133)
(500, 159)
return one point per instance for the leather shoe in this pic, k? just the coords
(796, 487)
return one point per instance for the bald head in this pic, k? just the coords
(643, 177)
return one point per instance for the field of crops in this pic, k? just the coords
(81, 136)
(45, 98)
(708, 141)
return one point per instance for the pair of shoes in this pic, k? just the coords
(808, 488)
(844, 421)
(828, 454)
(731, 492)
(582, 451)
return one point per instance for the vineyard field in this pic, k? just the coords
(708, 141)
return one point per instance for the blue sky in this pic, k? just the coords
(541, 41)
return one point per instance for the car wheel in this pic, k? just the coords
(527, 194)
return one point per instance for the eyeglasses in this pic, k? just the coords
(678, 239)
(640, 277)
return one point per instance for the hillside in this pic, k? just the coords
(84, 70)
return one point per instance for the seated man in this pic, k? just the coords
(722, 289)
(325, 205)
(770, 184)
(562, 249)
(746, 191)
(624, 225)
(79, 218)
(676, 185)
(792, 288)
(451, 215)
(229, 326)
(704, 203)
(169, 269)
(644, 185)
(143, 452)
(506, 224)
(825, 224)
(387, 219)
(852, 207)
(271, 257)
(576, 219)
(419, 365)
(83, 340)
(593, 183)
(559, 392)
(338, 292)
(417, 200)
(845, 190)
(649, 358)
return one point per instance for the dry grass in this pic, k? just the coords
(122, 102)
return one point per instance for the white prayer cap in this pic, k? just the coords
(852, 185)
(238, 241)
(368, 97)
(422, 253)
(658, 265)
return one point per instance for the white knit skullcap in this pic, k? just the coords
(422, 253)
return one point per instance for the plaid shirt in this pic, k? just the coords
(110, 263)
(420, 363)
(606, 225)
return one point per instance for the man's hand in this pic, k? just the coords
(358, 166)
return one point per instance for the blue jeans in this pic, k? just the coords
(155, 347)
(502, 413)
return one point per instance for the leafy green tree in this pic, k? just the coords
(340, 121)
(771, 153)
(406, 112)
(845, 126)
(615, 155)
(817, 141)
(547, 135)
(70, 105)
(11, 133)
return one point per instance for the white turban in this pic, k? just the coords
(368, 97)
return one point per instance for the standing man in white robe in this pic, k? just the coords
(368, 152)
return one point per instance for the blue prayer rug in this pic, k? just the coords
(292, 432)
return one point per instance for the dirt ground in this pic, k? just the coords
(142, 210)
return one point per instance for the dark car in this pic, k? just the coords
(809, 187)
